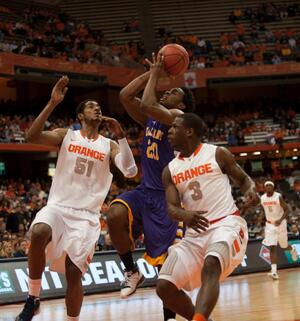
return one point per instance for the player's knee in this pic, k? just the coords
(41, 234)
(117, 215)
(165, 289)
(73, 273)
(211, 267)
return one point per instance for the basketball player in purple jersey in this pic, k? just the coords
(143, 210)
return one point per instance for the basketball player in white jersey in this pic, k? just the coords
(198, 192)
(276, 212)
(65, 231)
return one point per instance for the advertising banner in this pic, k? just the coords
(106, 272)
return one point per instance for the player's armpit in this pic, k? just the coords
(50, 138)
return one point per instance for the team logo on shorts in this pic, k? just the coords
(6, 285)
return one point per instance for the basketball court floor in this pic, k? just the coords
(253, 297)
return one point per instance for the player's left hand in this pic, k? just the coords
(252, 198)
(157, 65)
(114, 126)
(277, 223)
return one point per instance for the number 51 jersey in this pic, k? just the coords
(82, 176)
(201, 184)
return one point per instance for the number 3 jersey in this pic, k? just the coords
(201, 184)
(82, 176)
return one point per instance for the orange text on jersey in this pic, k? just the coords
(86, 152)
(191, 173)
(270, 203)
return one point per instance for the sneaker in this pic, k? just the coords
(274, 275)
(132, 280)
(31, 308)
(294, 254)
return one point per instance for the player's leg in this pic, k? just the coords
(122, 220)
(40, 237)
(283, 241)
(209, 292)
(74, 293)
(273, 259)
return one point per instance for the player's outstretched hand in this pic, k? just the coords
(196, 220)
(252, 199)
(157, 65)
(59, 90)
(114, 126)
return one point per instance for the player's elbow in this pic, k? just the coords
(124, 97)
(29, 138)
(131, 172)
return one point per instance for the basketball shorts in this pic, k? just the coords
(74, 233)
(185, 260)
(275, 235)
(147, 213)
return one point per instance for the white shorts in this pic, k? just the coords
(74, 233)
(185, 261)
(275, 235)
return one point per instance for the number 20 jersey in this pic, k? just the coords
(201, 184)
(82, 176)
(156, 154)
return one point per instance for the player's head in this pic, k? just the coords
(180, 97)
(89, 112)
(269, 187)
(186, 127)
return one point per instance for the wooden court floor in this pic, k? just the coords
(253, 297)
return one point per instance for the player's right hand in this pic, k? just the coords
(196, 220)
(59, 90)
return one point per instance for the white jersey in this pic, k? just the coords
(272, 207)
(82, 176)
(201, 183)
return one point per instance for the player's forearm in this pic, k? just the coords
(134, 87)
(149, 96)
(247, 185)
(176, 213)
(38, 124)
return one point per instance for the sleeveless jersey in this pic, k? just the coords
(156, 154)
(201, 183)
(82, 176)
(272, 207)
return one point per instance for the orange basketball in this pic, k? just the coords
(176, 59)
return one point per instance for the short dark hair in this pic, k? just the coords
(80, 107)
(188, 100)
(191, 120)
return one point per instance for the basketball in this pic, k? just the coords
(176, 59)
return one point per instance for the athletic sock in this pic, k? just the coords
(128, 261)
(199, 317)
(168, 314)
(34, 287)
(274, 268)
(72, 318)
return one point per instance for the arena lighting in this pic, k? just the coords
(295, 150)
(256, 153)
(277, 151)
(294, 157)
(243, 154)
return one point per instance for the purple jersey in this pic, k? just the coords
(156, 154)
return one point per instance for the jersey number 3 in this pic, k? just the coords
(83, 166)
(195, 187)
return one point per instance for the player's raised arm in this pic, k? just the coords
(121, 153)
(35, 133)
(230, 167)
(129, 99)
(150, 105)
(193, 219)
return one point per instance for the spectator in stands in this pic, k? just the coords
(21, 249)
(294, 231)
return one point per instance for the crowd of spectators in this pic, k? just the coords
(230, 124)
(44, 33)
(20, 200)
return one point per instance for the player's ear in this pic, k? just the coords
(80, 116)
(189, 132)
(181, 106)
